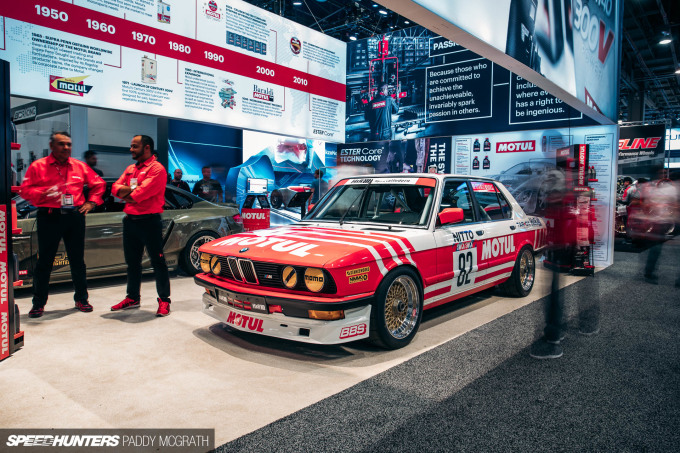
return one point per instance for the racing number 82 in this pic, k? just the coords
(465, 263)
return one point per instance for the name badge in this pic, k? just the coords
(133, 183)
(67, 200)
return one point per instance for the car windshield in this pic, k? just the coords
(377, 201)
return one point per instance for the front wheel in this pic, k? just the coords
(397, 310)
(191, 259)
(521, 280)
(276, 199)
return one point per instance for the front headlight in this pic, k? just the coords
(314, 279)
(210, 263)
(205, 262)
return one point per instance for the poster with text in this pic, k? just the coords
(223, 63)
(439, 88)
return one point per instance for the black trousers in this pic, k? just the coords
(139, 232)
(52, 227)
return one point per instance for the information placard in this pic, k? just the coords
(232, 64)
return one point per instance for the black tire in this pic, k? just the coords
(276, 199)
(190, 260)
(523, 275)
(397, 309)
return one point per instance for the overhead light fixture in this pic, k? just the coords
(665, 38)
(352, 38)
(297, 3)
(677, 71)
(383, 12)
(406, 22)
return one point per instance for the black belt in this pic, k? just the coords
(72, 210)
(141, 216)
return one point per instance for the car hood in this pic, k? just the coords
(318, 245)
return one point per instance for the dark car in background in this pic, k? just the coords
(188, 223)
(530, 181)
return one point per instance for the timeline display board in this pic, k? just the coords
(231, 64)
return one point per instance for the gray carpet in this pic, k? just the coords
(615, 391)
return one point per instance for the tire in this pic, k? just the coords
(190, 260)
(397, 309)
(276, 199)
(523, 275)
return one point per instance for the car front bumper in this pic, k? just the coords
(354, 326)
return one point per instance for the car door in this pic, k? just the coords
(457, 244)
(497, 250)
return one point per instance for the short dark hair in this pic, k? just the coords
(628, 179)
(319, 172)
(205, 166)
(89, 153)
(58, 133)
(146, 140)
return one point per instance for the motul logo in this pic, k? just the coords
(638, 143)
(499, 246)
(379, 105)
(516, 147)
(245, 322)
(254, 216)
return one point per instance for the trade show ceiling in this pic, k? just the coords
(648, 67)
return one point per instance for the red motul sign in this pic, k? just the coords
(255, 219)
(4, 286)
(516, 147)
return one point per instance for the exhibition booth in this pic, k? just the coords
(279, 113)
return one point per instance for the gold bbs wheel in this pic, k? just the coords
(402, 307)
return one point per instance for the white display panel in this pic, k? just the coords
(523, 161)
(231, 64)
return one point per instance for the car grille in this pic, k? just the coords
(266, 274)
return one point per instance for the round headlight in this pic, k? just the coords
(289, 276)
(314, 279)
(215, 265)
(205, 262)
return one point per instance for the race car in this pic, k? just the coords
(370, 257)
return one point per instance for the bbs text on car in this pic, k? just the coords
(370, 257)
(188, 223)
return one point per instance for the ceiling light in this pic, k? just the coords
(383, 12)
(677, 71)
(665, 38)
(296, 3)
(352, 38)
(407, 22)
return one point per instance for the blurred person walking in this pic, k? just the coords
(661, 200)
(208, 188)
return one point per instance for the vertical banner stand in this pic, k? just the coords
(11, 336)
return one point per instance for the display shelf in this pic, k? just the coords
(593, 180)
(18, 282)
(15, 146)
(17, 231)
(15, 189)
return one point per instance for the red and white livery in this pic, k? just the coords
(371, 256)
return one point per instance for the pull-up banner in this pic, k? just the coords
(234, 64)
(641, 143)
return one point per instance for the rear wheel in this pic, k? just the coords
(397, 310)
(521, 280)
(191, 260)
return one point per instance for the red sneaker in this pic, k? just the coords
(84, 306)
(126, 304)
(163, 308)
(37, 311)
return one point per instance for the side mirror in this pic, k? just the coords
(451, 215)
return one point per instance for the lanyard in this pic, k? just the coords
(63, 177)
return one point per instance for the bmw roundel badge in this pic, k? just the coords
(244, 249)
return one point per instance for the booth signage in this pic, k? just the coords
(641, 143)
(64, 52)
(4, 286)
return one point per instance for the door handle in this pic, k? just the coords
(512, 227)
(480, 232)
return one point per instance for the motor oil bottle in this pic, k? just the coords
(487, 145)
(475, 163)
(486, 164)
(476, 146)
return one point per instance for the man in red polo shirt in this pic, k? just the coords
(54, 184)
(142, 186)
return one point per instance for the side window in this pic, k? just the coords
(182, 201)
(505, 206)
(488, 198)
(457, 195)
